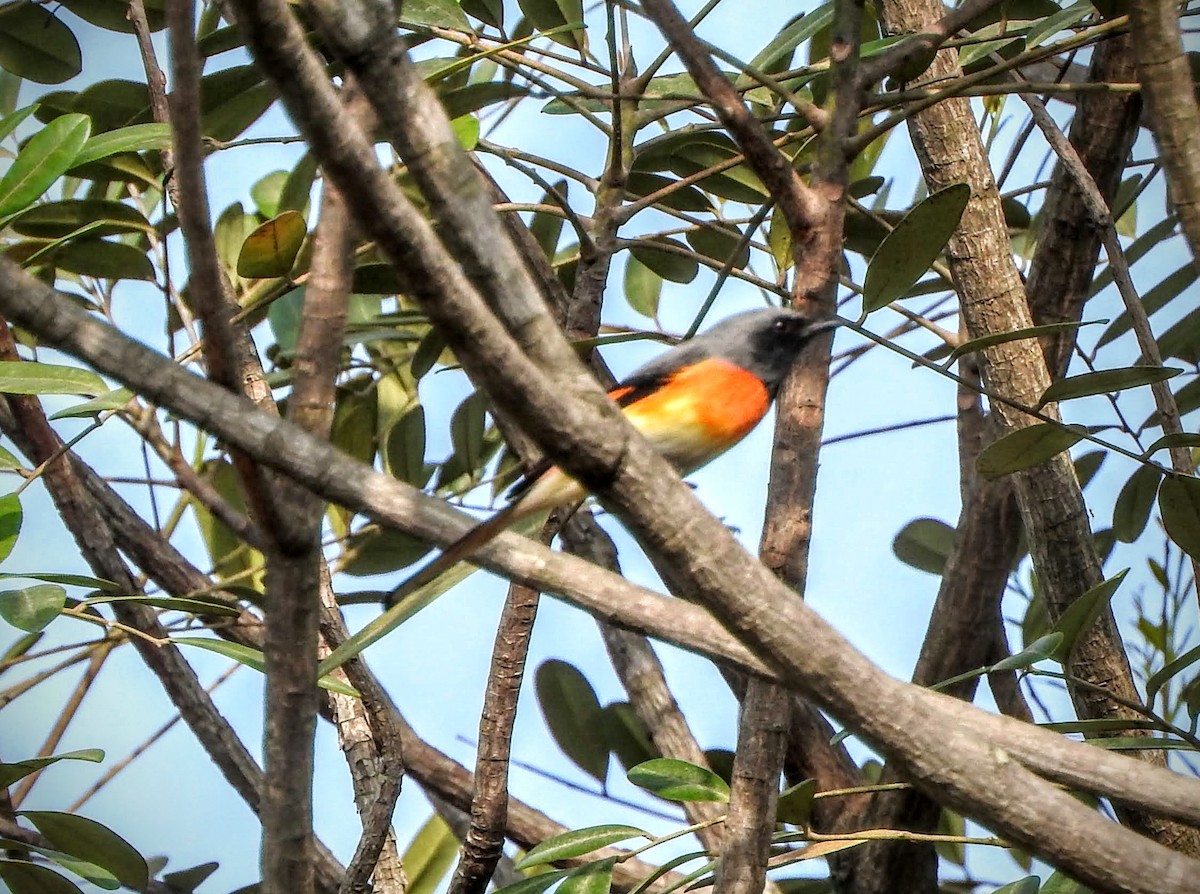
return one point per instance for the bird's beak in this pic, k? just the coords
(824, 325)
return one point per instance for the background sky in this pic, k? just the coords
(172, 800)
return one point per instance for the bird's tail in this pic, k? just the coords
(462, 548)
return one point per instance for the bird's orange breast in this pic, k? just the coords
(700, 412)
(692, 417)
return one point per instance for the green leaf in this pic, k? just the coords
(795, 804)
(11, 122)
(253, 658)
(375, 550)
(546, 227)
(133, 138)
(1027, 885)
(28, 377)
(1175, 439)
(912, 247)
(442, 13)
(594, 878)
(1039, 650)
(110, 400)
(232, 99)
(1160, 677)
(104, 260)
(54, 220)
(1000, 338)
(18, 770)
(185, 881)
(678, 780)
(681, 198)
(266, 192)
(297, 190)
(1179, 506)
(627, 737)
(535, 884)
(32, 608)
(490, 12)
(89, 840)
(643, 287)
(171, 603)
(1026, 447)
(36, 45)
(10, 523)
(113, 15)
(777, 54)
(676, 265)
(404, 448)
(1132, 509)
(548, 15)
(1082, 613)
(1061, 884)
(46, 157)
(467, 428)
(377, 629)
(27, 878)
(67, 580)
(720, 244)
(924, 544)
(1087, 465)
(271, 249)
(430, 855)
(574, 716)
(8, 460)
(576, 843)
(355, 418)
(1105, 381)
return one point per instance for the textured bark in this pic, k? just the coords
(948, 146)
(978, 763)
(1166, 78)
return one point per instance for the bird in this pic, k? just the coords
(692, 403)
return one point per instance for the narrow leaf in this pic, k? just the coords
(1134, 503)
(578, 842)
(253, 658)
(28, 377)
(10, 773)
(678, 780)
(45, 158)
(535, 884)
(1083, 612)
(1040, 649)
(1026, 447)
(909, 250)
(1160, 677)
(594, 878)
(430, 854)
(1000, 338)
(134, 138)
(1105, 381)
